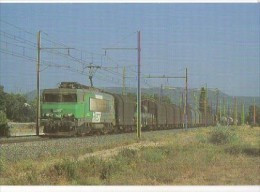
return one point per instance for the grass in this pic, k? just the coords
(223, 135)
(207, 156)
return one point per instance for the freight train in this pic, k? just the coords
(75, 109)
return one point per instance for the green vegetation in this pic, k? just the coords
(204, 156)
(250, 117)
(203, 101)
(4, 128)
(16, 107)
(223, 135)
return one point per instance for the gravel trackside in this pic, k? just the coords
(75, 147)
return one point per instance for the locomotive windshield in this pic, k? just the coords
(56, 97)
(51, 97)
(69, 98)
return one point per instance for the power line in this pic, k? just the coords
(67, 56)
(45, 63)
(17, 38)
(21, 29)
(17, 55)
(22, 40)
(5, 42)
(64, 45)
(124, 38)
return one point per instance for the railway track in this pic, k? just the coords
(23, 138)
(34, 138)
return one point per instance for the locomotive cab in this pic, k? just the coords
(59, 110)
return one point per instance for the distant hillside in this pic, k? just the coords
(176, 95)
(31, 95)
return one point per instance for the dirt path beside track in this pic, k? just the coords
(108, 153)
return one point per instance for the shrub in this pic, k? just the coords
(201, 138)
(252, 151)
(128, 153)
(238, 148)
(66, 168)
(110, 167)
(235, 148)
(106, 170)
(222, 136)
(4, 128)
(153, 155)
(1, 165)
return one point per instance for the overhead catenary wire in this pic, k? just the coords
(14, 44)
(31, 59)
(112, 70)
(124, 38)
(17, 38)
(77, 60)
(15, 26)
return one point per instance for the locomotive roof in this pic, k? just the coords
(73, 87)
(68, 90)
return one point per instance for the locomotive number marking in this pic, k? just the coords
(96, 117)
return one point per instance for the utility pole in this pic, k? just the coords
(254, 112)
(138, 48)
(211, 110)
(123, 88)
(228, 109)
(183, 107)
(235, 110)
(161, 93)
(139, 85)
(224, 107)
(220, 110)
(186, 99)
(39, 48)
(205, 106)
(242, 113)
(38, 82)
(217, 106)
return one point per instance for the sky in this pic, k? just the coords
(218, 43)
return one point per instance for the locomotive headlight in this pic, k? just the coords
(57, 115)
(48, 115)
(68, 115)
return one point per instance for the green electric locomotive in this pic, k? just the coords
(76, 109)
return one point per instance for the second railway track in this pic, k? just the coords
(21, 139)
(34, 138)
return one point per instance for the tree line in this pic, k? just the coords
(16, 107)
